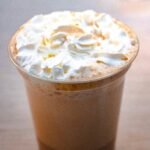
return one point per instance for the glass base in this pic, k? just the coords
(109, 146)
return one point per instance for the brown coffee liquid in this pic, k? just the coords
(77, 119)
(109, 146)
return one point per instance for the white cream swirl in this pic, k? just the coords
(69, 45)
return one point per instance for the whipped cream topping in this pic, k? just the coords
(72, 45)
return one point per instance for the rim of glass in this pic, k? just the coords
(74, 81)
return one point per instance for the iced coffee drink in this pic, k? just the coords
(73, 65)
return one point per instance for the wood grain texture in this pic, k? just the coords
(16, 128)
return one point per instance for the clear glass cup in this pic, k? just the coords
(75, 115)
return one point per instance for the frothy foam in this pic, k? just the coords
(72, 45)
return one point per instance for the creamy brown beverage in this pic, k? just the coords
(73, 65)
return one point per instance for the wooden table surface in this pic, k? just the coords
(16, 128)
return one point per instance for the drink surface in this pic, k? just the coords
(69, 45)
